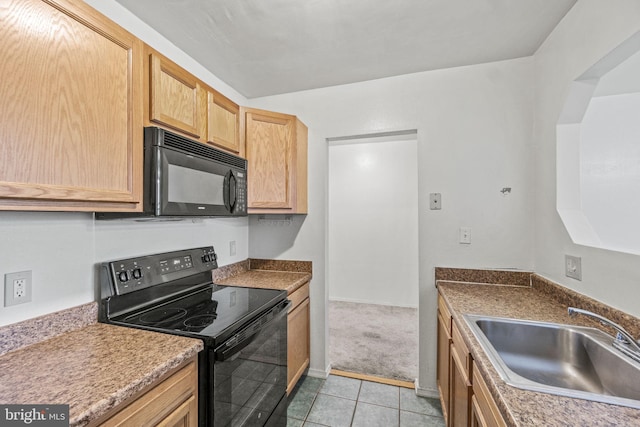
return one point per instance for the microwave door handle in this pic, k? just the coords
(226, 192)
(232, 192)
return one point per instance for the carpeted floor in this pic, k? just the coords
(376, 340)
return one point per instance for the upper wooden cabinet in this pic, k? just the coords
(179, 101)
(276, 149)
(175, 96)
(223, 123)
(70, 110)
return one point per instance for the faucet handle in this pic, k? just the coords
(620, 337)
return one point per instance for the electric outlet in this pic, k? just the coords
(17, 288)
(465, 235)
(573, 267)
(232, 248)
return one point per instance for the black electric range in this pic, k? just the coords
(242, 370)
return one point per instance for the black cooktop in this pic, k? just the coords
(214, 312)
(173, 292)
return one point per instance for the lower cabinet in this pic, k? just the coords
(484, 411)
(466, 400)
(298, 336)
(171, 403)
(459, 381)
(444, 347)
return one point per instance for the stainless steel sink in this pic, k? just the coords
(558, 359)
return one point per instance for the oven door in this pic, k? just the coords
(250, 373)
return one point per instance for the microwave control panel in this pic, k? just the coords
(241, 193)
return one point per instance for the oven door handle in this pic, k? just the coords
(239, 341)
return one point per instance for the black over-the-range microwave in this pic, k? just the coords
(185, 178)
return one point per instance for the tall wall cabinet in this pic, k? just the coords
(70, 110)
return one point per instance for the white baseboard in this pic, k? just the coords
(318, 373)
(427, 392)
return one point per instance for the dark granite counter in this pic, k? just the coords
(540, 300)
(68, 358)
(267, 274)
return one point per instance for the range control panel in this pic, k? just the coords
(133, 274)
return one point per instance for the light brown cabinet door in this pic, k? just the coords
(176, 97)
(484, 410)
(442, 373)
(223, 123)
(270, 160)
(298, 343)
(460, 392)
(276, 150)
(477, 419)
(70, 110)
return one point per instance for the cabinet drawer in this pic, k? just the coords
(461, 348)
(172, 401)
(444, 311)
(298, 296)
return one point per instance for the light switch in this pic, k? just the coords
(465, 235)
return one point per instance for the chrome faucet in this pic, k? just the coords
(623, 342)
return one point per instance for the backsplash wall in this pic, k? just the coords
(62, 249)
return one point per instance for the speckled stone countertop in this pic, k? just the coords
(523, 407)
(267, 274)
(92, 368)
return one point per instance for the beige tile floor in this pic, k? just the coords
(345, 402)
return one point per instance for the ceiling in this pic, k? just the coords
(267, 47)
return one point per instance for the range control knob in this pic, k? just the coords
(136, 273)
(123, 276)
(206, 258)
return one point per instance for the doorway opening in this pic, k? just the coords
(373, 255)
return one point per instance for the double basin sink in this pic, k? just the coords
(560, 359)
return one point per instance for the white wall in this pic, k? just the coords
(373, 218)
(61, 249)
(474, 138)
(589, 31)
(610, 169)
